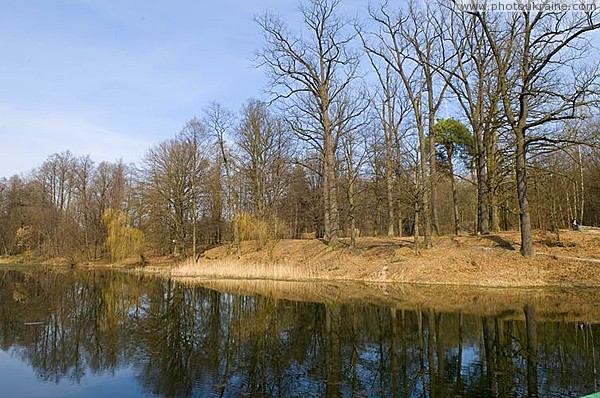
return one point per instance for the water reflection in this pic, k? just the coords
(179, 341)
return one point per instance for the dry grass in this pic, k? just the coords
(232, 269)
(491, 261)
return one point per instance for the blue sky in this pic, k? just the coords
(112, 78)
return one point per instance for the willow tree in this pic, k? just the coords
(122, 240)
(310, 71)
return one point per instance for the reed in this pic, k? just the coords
(235, 269)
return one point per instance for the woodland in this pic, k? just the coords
(412, 119)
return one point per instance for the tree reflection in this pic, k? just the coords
(531, 351)
(190, 341)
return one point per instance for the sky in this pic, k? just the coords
(110, 78)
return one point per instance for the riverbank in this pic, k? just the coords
(486, 261)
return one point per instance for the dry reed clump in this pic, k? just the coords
(235, 269)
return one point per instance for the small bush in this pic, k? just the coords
(253, 228)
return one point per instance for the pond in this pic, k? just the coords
(99, 333)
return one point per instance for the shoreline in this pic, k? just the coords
(484, 276)
(552, 304)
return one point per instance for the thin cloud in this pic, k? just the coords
(36, 136)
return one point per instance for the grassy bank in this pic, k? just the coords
(488, 261)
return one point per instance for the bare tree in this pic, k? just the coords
(311, 72)
(392, 109)
(410, 44)
(83, 177)
(265, 156)
(194, 137)
(171, 176)
(354, 144)
(532, 50)
(220, 123)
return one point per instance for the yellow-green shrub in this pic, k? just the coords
(121, 239)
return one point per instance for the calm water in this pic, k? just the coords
(103, 334)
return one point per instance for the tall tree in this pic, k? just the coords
(354, 153)
(170, 174)
(311, 71)
(220, 123)
(391, 112)
(196, 140)
(470, 75)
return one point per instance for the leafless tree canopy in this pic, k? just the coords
(411, 119)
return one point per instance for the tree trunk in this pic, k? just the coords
(435, 216)
(334, 213)
(417, 206)
(326, 209)
(492, 187)
(387, 117)
(494, 212)
(352, 226)
(400, 224)
(524, 215)
(482, 191)
(331, 208)
(432, 183)
(351, 198)
(376, 209)
(454, 193)
(389, 184)
(538, 199)
(424, 189)
(582, 186)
